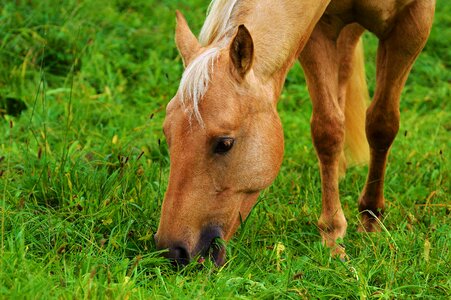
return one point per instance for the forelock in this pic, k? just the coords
(196, 79)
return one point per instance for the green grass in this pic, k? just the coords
(84, 169)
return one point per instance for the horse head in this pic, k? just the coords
(225, 142)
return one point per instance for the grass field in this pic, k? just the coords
(84, 167)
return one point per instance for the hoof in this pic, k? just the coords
(338, 251)
(371, 212)
(369, 222)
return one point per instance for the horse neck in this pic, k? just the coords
(279, 30)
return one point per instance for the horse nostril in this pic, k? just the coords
(178, 255)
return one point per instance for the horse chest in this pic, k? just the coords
(375, 15)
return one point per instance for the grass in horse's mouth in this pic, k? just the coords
(216, 252)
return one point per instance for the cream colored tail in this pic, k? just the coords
(356, 150)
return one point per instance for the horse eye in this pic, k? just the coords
(223, 145)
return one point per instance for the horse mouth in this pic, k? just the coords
(216, 252)
(212, 246)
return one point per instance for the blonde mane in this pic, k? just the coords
(217, 21)
(197, 75)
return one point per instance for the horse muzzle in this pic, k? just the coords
(210, 245)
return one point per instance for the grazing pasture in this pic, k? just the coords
(84, 168)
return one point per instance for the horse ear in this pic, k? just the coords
(242, 51)
(185, 40)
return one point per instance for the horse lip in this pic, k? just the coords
(211, 245)
(216, 251)
(218, 254)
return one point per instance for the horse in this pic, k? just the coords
(223, 131)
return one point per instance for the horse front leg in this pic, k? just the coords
(395, 57)
(319, 61)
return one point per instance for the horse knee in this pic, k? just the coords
(381, 127)
(328, 136)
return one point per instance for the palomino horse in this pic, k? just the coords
(224, 134)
